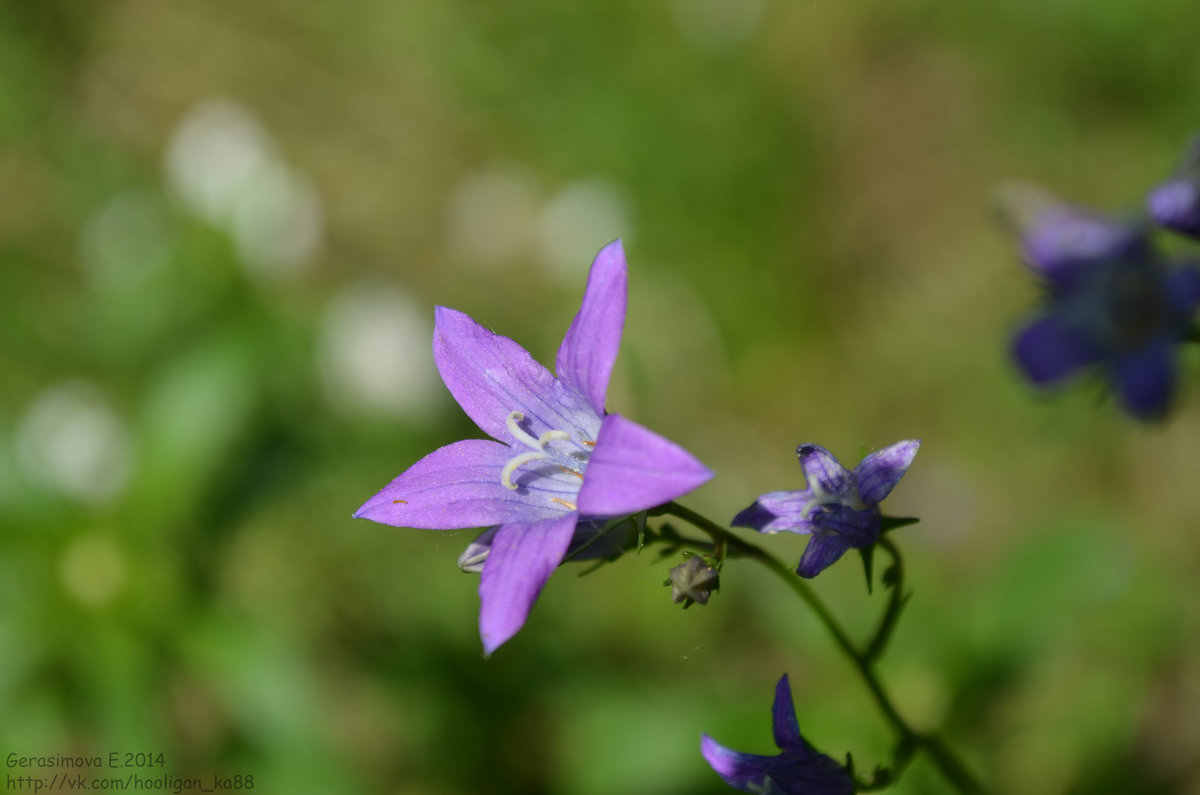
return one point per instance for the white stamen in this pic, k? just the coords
(519, 433)
(820, 497)
(553, 436)
(516, 461)
(537, 452)
(814, 485)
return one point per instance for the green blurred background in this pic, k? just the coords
(224, 226)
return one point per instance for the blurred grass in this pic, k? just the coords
(804, 195)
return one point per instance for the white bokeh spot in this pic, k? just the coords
(490, 215)
(578, 221)
(227, 169)
(717, 24)
(71, 441)
(375, 353)
(124, 241)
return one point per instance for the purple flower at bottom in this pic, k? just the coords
(1175, 203)
(559, 463)
(840, 508)
(1111, 302)
(797, 770)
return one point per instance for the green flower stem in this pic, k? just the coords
(895, 604)
(940, 754)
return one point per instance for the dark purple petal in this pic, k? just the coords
(1183, 290)
(814, 774)
(491, 376)
(586, 356)
(1145, 380)
(459, 486)
(633, 469)
(1176, 205)
(798, 770)
(878, 473)
(521, 559)
(1048, 351)
(820, 465)
(591, 541)
(784, 725)
(740, 771)
(777, 511)
(823, 551)
(858, 528)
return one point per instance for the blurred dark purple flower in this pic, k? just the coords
(559, 461)
(840, 508)
(797, 770)
(1175, 203)
(1112, 302)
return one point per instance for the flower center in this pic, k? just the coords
(539, 451)
(851, 498)
(1136, 305)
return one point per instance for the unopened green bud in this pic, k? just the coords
(693, 581)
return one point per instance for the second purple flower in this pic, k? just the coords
(840, 507)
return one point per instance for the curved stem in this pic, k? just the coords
(950, 766)
(895, 604)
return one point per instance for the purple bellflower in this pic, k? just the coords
(840, 508)
(1111, 302)
(559, 462)
(1175, 203)
(797, 770)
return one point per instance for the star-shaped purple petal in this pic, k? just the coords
(558, 460)
(840, 508)
(797, 770)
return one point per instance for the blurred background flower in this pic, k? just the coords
(223, 231)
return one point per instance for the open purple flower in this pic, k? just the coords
(797, 770)
(1175, 203)
(1111, 302)
(840, 508)
(558, 457)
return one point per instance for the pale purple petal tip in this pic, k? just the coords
(823, 551)
(1145, 381)
(739, 770)
(1063, 239)
(777, 511)
(819, 463)
(633, 469)
(589, 349)
(454, 487)
(878, 473)
(1047, 351)
(1176, 205)
(521, 560)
